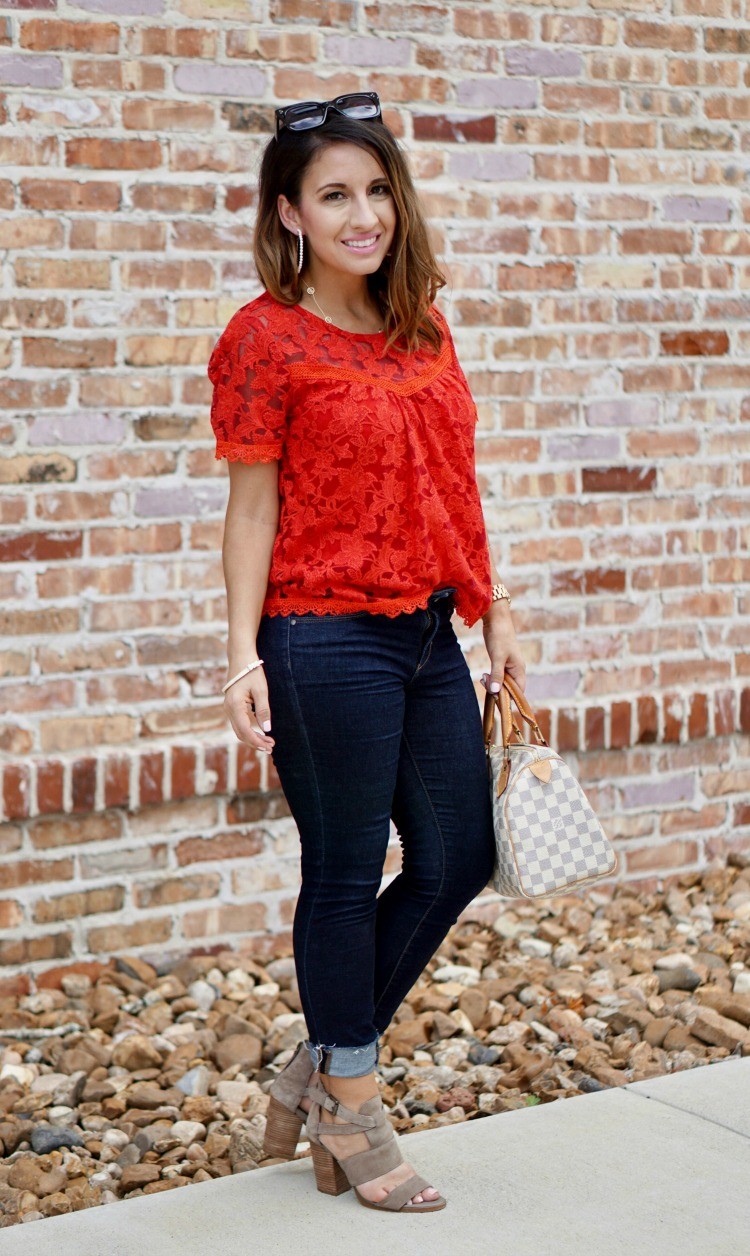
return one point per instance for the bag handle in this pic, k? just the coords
(508, 690)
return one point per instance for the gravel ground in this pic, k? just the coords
(156, 1075)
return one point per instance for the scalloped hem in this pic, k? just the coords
(337, 606)
(247, 453)
(390, 607)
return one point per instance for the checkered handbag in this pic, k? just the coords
(548, 839)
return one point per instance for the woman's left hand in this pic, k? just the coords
(502, 647)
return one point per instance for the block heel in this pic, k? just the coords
(334, 1176)
(284, 1116)
(282, 1130)
(329, 1176)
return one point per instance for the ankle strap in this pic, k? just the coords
(320, 1095)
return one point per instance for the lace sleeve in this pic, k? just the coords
(448, 335)
(249, 404)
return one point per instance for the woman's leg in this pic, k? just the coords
(443, 814)
(336, 692)
(337, 704)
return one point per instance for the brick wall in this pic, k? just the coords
(585, 170)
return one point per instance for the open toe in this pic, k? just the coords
(334, 1175)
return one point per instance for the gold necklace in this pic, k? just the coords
(328, 318)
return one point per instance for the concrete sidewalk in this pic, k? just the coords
(655, 1168)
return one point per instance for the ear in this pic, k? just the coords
(288, 215)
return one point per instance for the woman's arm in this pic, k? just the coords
(250, 528)
(501, 642)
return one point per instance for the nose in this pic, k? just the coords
(361, 215)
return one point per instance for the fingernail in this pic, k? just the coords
(495, 686)
(267, 725)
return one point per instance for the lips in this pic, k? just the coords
(362, 242)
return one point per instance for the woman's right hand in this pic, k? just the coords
(240, 699)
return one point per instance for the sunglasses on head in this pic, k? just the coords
(311, 113)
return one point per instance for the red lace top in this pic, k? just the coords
(379, 500)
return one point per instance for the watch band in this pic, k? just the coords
(499, 591)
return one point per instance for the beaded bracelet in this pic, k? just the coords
(239, 675)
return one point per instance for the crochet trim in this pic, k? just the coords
(247, 453)
(391, 606)
(405, 388)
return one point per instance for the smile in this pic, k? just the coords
(362, 246)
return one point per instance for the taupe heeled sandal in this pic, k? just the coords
(284, 1116)
(333, 1176)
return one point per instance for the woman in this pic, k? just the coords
(353, 529)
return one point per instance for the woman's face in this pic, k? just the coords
(345, 198)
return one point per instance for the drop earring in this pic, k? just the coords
(301, 250)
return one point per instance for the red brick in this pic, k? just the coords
(30, 950)
(694, 343)
(183, 772)
(47, 35)
(724, 711)
(256, 807)
(698, 716)
(80, 903)
(40, 546)
(215, 921)
(49, 786)
(674, 854)
(48, 832)
(180, 889)
(582, 98)
(119, 937)
(150, 777)
(11, 913)
(223, 846)
(117, 782)
(248, 767)
(567, 729)
(569, 167)
(656, 240)
(83, 779)
(432, 127)
(647, 719)
(594, 724)
(671, 36)
(727, 39)
(16, 791)
(216, 762)
(744, 713)
(523, 278)
(620, 716)
(112, 154)
(674, 715)
(617, 479)
(34, 872)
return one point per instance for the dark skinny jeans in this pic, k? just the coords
(375, 717)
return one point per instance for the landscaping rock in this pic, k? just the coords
(164, 1078)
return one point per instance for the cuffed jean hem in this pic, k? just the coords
(344, 1061)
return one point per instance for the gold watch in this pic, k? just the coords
(499, 591)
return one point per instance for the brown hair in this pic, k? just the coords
(405, 284)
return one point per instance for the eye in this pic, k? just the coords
(377, 187)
